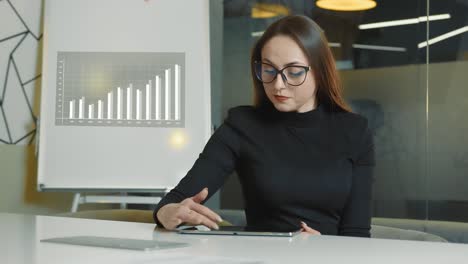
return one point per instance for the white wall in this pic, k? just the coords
(18, 185)
(21, 105)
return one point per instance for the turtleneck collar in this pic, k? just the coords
(295, 119)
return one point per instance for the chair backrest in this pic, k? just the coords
(456, 232)
(386, 232)
(237, 217)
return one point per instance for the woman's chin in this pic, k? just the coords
(283, 107)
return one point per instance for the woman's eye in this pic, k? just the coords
(295, 73)
(272, 72)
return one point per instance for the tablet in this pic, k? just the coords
(239, 230)
(113, 242)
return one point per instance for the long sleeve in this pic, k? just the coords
(356, 217)
(315, 167)
(214, 164)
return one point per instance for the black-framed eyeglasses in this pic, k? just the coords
(294, 75)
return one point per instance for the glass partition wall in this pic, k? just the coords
(447, 106)
(404, 66)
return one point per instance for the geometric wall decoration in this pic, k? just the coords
(20, 68)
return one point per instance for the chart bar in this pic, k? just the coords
(129, 102)
(177, 92)
(138, 104)
(167, 79)
(148, 101)
(81, 108)
(72, 109)
(158, 97)
(99, 109)
(109, 106)
(119, 103)
(91, 111)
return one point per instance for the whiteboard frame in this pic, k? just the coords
(42, 183)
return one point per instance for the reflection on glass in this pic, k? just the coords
(416, 111)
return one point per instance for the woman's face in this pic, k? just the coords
(279, 52)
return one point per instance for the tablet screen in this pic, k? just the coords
(240, 230)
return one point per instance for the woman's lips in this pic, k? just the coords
(281, 98)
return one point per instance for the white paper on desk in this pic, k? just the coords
(198, 260)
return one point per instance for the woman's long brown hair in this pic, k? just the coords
(311, 39)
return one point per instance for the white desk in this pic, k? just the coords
(20, 237)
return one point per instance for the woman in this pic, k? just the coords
(303, 159)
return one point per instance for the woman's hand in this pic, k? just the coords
(189, 211)
(307, 229)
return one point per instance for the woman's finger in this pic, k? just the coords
(205, 211)
(193, 218)
(173, 224)
(309, 230)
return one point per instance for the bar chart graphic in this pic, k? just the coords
(132, 89)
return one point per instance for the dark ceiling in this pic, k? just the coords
(342, 28)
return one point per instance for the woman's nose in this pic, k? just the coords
(279, 82)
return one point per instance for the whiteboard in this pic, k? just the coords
(125, 101)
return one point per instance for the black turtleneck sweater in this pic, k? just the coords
(314, 167)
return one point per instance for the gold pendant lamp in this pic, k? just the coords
(346, 5)
(267, 10)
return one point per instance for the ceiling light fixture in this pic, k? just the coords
(356, 46)
(266, 10)
(369, 47)
(346, 5)
(400, 22)
(443, 36)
